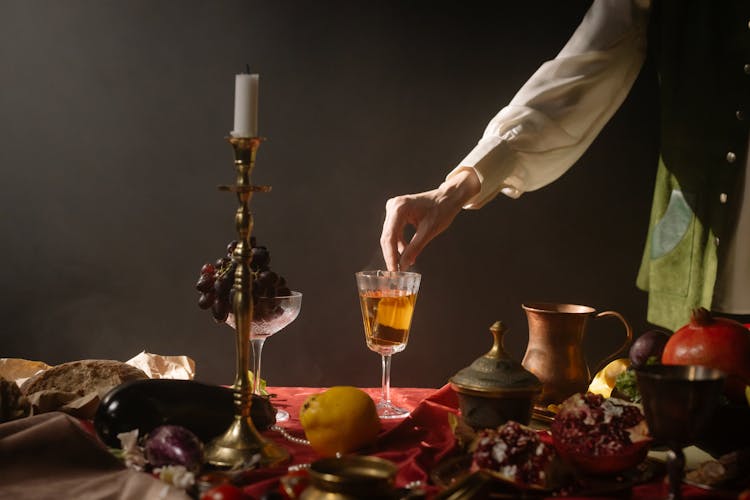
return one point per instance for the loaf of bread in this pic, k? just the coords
(78, 386)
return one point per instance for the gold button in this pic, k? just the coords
(723, 198)
(731, 157)
(747, 69)
(739, 114)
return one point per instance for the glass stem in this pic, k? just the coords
(386, 379)
(257, 350)
(675, 470)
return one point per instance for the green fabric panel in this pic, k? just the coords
(681, 277)
(673, 227)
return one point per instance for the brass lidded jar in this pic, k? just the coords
(495, 388)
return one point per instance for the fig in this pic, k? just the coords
(649, 345)
(174, 445)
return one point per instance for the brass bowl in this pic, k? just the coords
(482, 410)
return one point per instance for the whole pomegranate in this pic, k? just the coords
(600, 436)
(719, 343)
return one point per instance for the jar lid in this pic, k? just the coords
(362, 476)
(496, 373)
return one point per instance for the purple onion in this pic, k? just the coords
(174, 445)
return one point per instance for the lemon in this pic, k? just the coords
(395, 312)
(341, 419)
(604, 380)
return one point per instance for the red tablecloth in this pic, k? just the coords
(416, 444)
(53, 456)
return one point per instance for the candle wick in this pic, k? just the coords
(247, 69)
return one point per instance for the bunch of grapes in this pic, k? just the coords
(216, 280)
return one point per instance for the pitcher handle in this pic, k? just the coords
(622, 351)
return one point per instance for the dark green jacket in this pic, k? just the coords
(702, 51)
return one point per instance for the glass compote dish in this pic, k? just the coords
(387, 299)
(270, 315)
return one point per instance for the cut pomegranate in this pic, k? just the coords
(600, 436)
(516, 453)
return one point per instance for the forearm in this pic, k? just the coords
(460, 187)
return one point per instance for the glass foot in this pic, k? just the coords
(386, 409)
(282, 415)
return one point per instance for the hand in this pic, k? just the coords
(430, 213)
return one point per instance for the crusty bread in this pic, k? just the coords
(89, 376)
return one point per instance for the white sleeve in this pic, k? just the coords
(561, 109)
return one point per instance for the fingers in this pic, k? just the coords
(403, 211)
(391, 238)
(424, 234)
(401, 244)
(430, 212)
(419, 210)
(434, 219)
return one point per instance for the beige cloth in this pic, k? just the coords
(51, 456)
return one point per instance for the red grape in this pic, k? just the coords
(206, 300)
(205, 283)
(217, 280)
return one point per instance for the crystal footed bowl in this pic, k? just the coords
(271, 314)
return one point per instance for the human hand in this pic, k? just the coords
(429, 212)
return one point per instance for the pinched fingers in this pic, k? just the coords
(392, 237)
(419, 241)
(408, 210)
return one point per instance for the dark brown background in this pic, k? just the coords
(112, 125)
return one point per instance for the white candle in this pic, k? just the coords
(246, 105)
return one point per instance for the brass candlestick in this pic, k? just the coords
(241, 443)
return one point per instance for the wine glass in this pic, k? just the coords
(387, 299)
(270, 315)
(678, 402)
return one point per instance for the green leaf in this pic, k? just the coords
(627, 385)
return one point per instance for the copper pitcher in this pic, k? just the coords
(554, 353)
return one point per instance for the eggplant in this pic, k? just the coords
(206, 410)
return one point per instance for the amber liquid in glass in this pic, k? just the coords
(387, 318)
